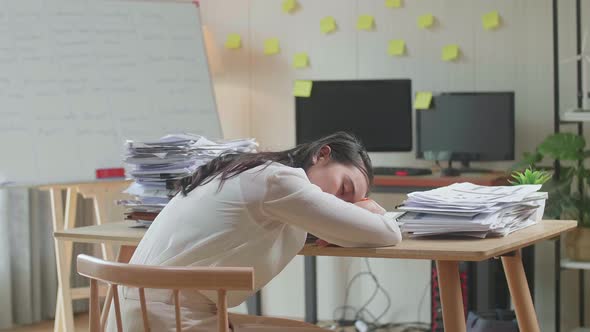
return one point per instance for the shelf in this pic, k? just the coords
(576, 115)
(575, 265)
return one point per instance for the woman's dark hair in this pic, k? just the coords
(345, 149)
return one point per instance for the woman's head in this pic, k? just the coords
(338, 164)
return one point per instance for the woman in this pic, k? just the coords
(256, 210)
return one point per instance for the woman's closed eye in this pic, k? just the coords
(345, 193)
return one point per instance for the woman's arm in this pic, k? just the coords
(292, 199)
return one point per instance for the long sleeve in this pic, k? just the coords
(292, 199)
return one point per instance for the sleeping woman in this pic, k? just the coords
(255, 210)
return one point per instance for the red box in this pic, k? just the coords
(106, 173)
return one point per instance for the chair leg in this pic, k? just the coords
(94, 309)
(520, 293)
(450, 296)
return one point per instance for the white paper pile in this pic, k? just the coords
(472, 210)
(157, 165)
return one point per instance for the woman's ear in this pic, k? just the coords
(325, 152)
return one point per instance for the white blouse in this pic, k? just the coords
(258, 219)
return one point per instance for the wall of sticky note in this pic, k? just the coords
(512, 51)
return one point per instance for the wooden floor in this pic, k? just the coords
(81, 322)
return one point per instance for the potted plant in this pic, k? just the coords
(530, 176)
(569, 189)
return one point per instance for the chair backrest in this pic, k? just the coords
(220, 279)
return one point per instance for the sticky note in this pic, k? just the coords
(450, 52)
(289, 6)
(423, 100)
(365, 22)
(302, 88)
(271, 46)
(327, 24)
(425, 21)
(233, 41)
(396, 47)
(300, 60)
(490, 20)
(393, 3)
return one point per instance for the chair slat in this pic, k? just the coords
(223, 321)
(117, 308)
(177, 309)
(108, 300)
(94, 307)
(146, 323)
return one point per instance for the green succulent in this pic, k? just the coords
(529, 176)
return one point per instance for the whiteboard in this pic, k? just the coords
(78, 77)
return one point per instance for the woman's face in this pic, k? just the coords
(344, 181)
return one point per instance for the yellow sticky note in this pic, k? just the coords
(327, 24)
(450, 52)
(302, 88)
(396, 47)
(365, 22)
(271, 46)
(393, 3)
(233, 41)
(300, 60)
(423, 100)
(425, 21)
(289, 6)
(490, 20)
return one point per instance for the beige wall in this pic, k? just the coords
(254, 99)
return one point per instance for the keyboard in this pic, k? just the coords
(401, 171)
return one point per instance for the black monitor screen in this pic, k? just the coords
(467, 126)
(379, 112)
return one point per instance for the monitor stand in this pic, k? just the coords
(465, 168)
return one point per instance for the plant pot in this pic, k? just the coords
(577, 244)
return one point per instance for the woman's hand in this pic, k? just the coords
(371, 205)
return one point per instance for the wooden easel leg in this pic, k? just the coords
(70, 222)
(450, 296)
(124, 256)
(520, 294)
(58, 324)
(63, 273)
(63, 276)
(99, 213)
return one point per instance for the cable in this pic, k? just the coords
(362, 311)
(424, 293)
(367, 316)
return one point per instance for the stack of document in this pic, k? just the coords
(157, 165)
(470, 210)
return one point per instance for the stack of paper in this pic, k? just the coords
(472, 210)
(157, 165)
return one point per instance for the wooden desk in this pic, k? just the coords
(446, 252)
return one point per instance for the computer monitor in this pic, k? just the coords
(467, 126)
(379, 112)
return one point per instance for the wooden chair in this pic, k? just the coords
(220, 279)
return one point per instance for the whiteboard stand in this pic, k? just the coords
(64, 217)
